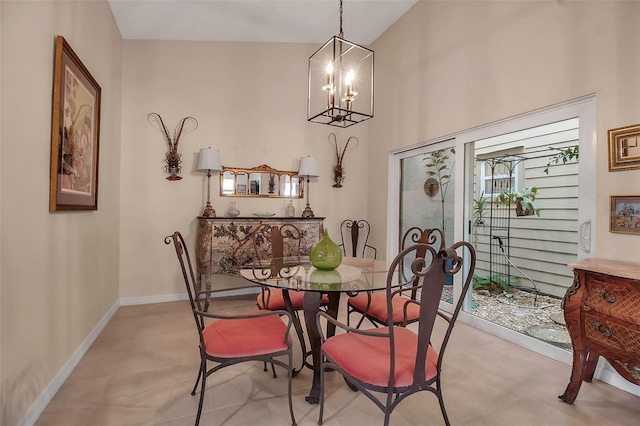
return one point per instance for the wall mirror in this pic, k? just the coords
(624, 148)
(261, 181)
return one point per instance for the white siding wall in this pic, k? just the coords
(540, 246)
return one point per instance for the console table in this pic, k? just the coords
(602, 312)
(224, 244)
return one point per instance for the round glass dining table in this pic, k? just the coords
(351, 277)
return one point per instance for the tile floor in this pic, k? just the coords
(141, 369)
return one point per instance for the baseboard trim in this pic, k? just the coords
(48, 393)
(145, 300)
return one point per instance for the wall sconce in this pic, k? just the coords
(209, 160)
(172, 158)
(338, 168)
(336, 70)
(308, 168)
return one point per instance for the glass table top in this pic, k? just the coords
(353, 275)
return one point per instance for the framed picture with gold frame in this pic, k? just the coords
(75, 132)
(624, 148)
(625, 214)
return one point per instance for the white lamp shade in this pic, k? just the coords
(209, 159)
(308, 167)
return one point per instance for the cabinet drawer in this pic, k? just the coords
(620, 336)
(615, 298)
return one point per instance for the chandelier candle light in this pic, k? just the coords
(209, 160)
(334, 71)
(308, 169)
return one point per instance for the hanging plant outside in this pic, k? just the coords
(567, 154)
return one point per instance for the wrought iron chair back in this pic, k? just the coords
(354, 237)
(277, 254)
(372, 306)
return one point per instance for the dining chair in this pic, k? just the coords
(354, 237)
(274, 248)
(373, 305)
(272, 244)
(393, 360)
(277, 254)
(230, 339)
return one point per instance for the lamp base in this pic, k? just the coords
(208, 211)
(307, 212)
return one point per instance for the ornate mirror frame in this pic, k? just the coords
(260, 182)
(624, 148)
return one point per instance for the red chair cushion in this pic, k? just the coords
(275, 300)
(233, 338)
(378, 307)
(367, 358)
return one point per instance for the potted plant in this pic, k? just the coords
(480, 210)
(523, 200)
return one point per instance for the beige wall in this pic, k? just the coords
(59, 271)
(445, 67)
(250, 102)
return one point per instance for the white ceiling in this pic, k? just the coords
(281, 21)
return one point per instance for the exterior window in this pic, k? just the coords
(496, 178)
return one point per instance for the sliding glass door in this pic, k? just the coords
(427, 185)
(469, 185)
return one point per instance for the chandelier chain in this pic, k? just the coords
(341, 34)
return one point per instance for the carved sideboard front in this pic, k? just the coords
(602, 312)
(224, 244)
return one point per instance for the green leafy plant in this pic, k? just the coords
(438, 167)
(496, 283)
(524, 200)
(564, 155)
(480, 210)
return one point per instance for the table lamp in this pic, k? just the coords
(209, 160)
(308, 168)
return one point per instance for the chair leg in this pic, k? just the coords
(273, 369)
(441, 402)
(321, 391)
(204, 385)
(290, 378)
(193, 391)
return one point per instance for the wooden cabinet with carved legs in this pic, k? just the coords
(602, 312)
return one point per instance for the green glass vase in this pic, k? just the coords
(326, 254)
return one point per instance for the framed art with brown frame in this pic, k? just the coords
(625, 214)
(624, 148)
(75, 132)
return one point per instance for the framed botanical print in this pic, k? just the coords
(75, 132)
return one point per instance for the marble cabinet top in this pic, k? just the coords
(616, 268)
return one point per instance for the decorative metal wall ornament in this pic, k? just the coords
(336, 70)
(431, 187)
(172, 159)
(338, 168)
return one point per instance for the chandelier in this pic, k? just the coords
(340, 82)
